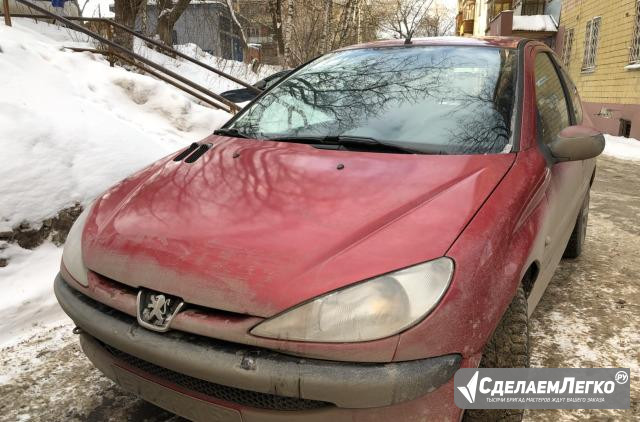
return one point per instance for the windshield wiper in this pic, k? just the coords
(230, 132)
(348, 140)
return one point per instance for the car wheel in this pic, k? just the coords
(507, 348)
(576, 242)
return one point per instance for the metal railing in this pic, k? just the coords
(141, 62)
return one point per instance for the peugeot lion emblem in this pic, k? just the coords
(156, 310)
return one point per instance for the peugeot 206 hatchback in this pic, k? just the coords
(381, 217)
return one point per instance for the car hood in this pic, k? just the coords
(256, 227)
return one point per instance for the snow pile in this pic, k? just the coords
(72, 125)
(202, 76)
(622, 148)
(28, 303)
(544, 23)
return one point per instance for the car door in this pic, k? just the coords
(566, 189)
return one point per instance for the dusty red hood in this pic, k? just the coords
(281, 223)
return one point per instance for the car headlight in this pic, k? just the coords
(370, 310)
(72, 252)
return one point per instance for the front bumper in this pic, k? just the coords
(345, 385)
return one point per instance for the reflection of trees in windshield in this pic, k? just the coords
(488, 127)
(449, 99)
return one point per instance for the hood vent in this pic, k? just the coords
(193, 152)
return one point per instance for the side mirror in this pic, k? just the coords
(261, 84)
(577, 143)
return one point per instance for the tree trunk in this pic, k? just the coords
(288, 59)
(358, 22)
(326, 29)
(125, 14)
(234, 19)
(169, 13)
(343, 28)
(275, 8)
(143, 17)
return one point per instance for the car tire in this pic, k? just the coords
(507, 348)
(576, 242)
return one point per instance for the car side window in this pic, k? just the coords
(550, 99)
(573, 96)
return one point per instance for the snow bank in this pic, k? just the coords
(544, 23)
(72, 125)
(202, 76)
(27, 303)
(622, 148)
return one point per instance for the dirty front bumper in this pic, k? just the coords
(338, 384)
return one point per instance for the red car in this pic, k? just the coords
(384, 215)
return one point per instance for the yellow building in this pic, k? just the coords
(600, 46)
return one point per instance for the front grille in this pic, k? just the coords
(218, 391)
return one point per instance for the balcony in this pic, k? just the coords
(467, 26)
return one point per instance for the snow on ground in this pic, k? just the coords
(28, 304)
(622, 148)
(76, 125)
(71, 127)
(202, 76)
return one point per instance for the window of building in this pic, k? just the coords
(497, 6)
(591, 36)
(634, 57)
(532, 7)
(625, 128)
(469, 11)
(567, 47)
(550, 99)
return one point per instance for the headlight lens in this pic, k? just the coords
(373, 309)
(72, 253)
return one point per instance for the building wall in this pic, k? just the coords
(205, 24)
(480, 21)
(199, 24)
(610, 92)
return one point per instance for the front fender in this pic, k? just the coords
(491, 254)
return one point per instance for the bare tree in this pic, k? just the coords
(126, 12)
(168, 14)
(275, 9)
(287, 34)
(235, 21)
(326, 28)
(405, 18)
(439, 21)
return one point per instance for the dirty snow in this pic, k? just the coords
(622, 148)
(544, 23)
(28, 304)
(73, 125)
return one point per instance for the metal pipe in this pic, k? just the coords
(154, 42)
(80, 28)
(184, 56)
(153, 73)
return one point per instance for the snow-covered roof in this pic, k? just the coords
(543, 23)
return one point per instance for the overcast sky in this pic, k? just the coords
(453, 4)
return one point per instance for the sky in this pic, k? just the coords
(452, 4)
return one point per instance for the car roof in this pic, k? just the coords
(505, 42)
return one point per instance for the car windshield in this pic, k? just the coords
(431, 99)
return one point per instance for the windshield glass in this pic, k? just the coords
(433, 99)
